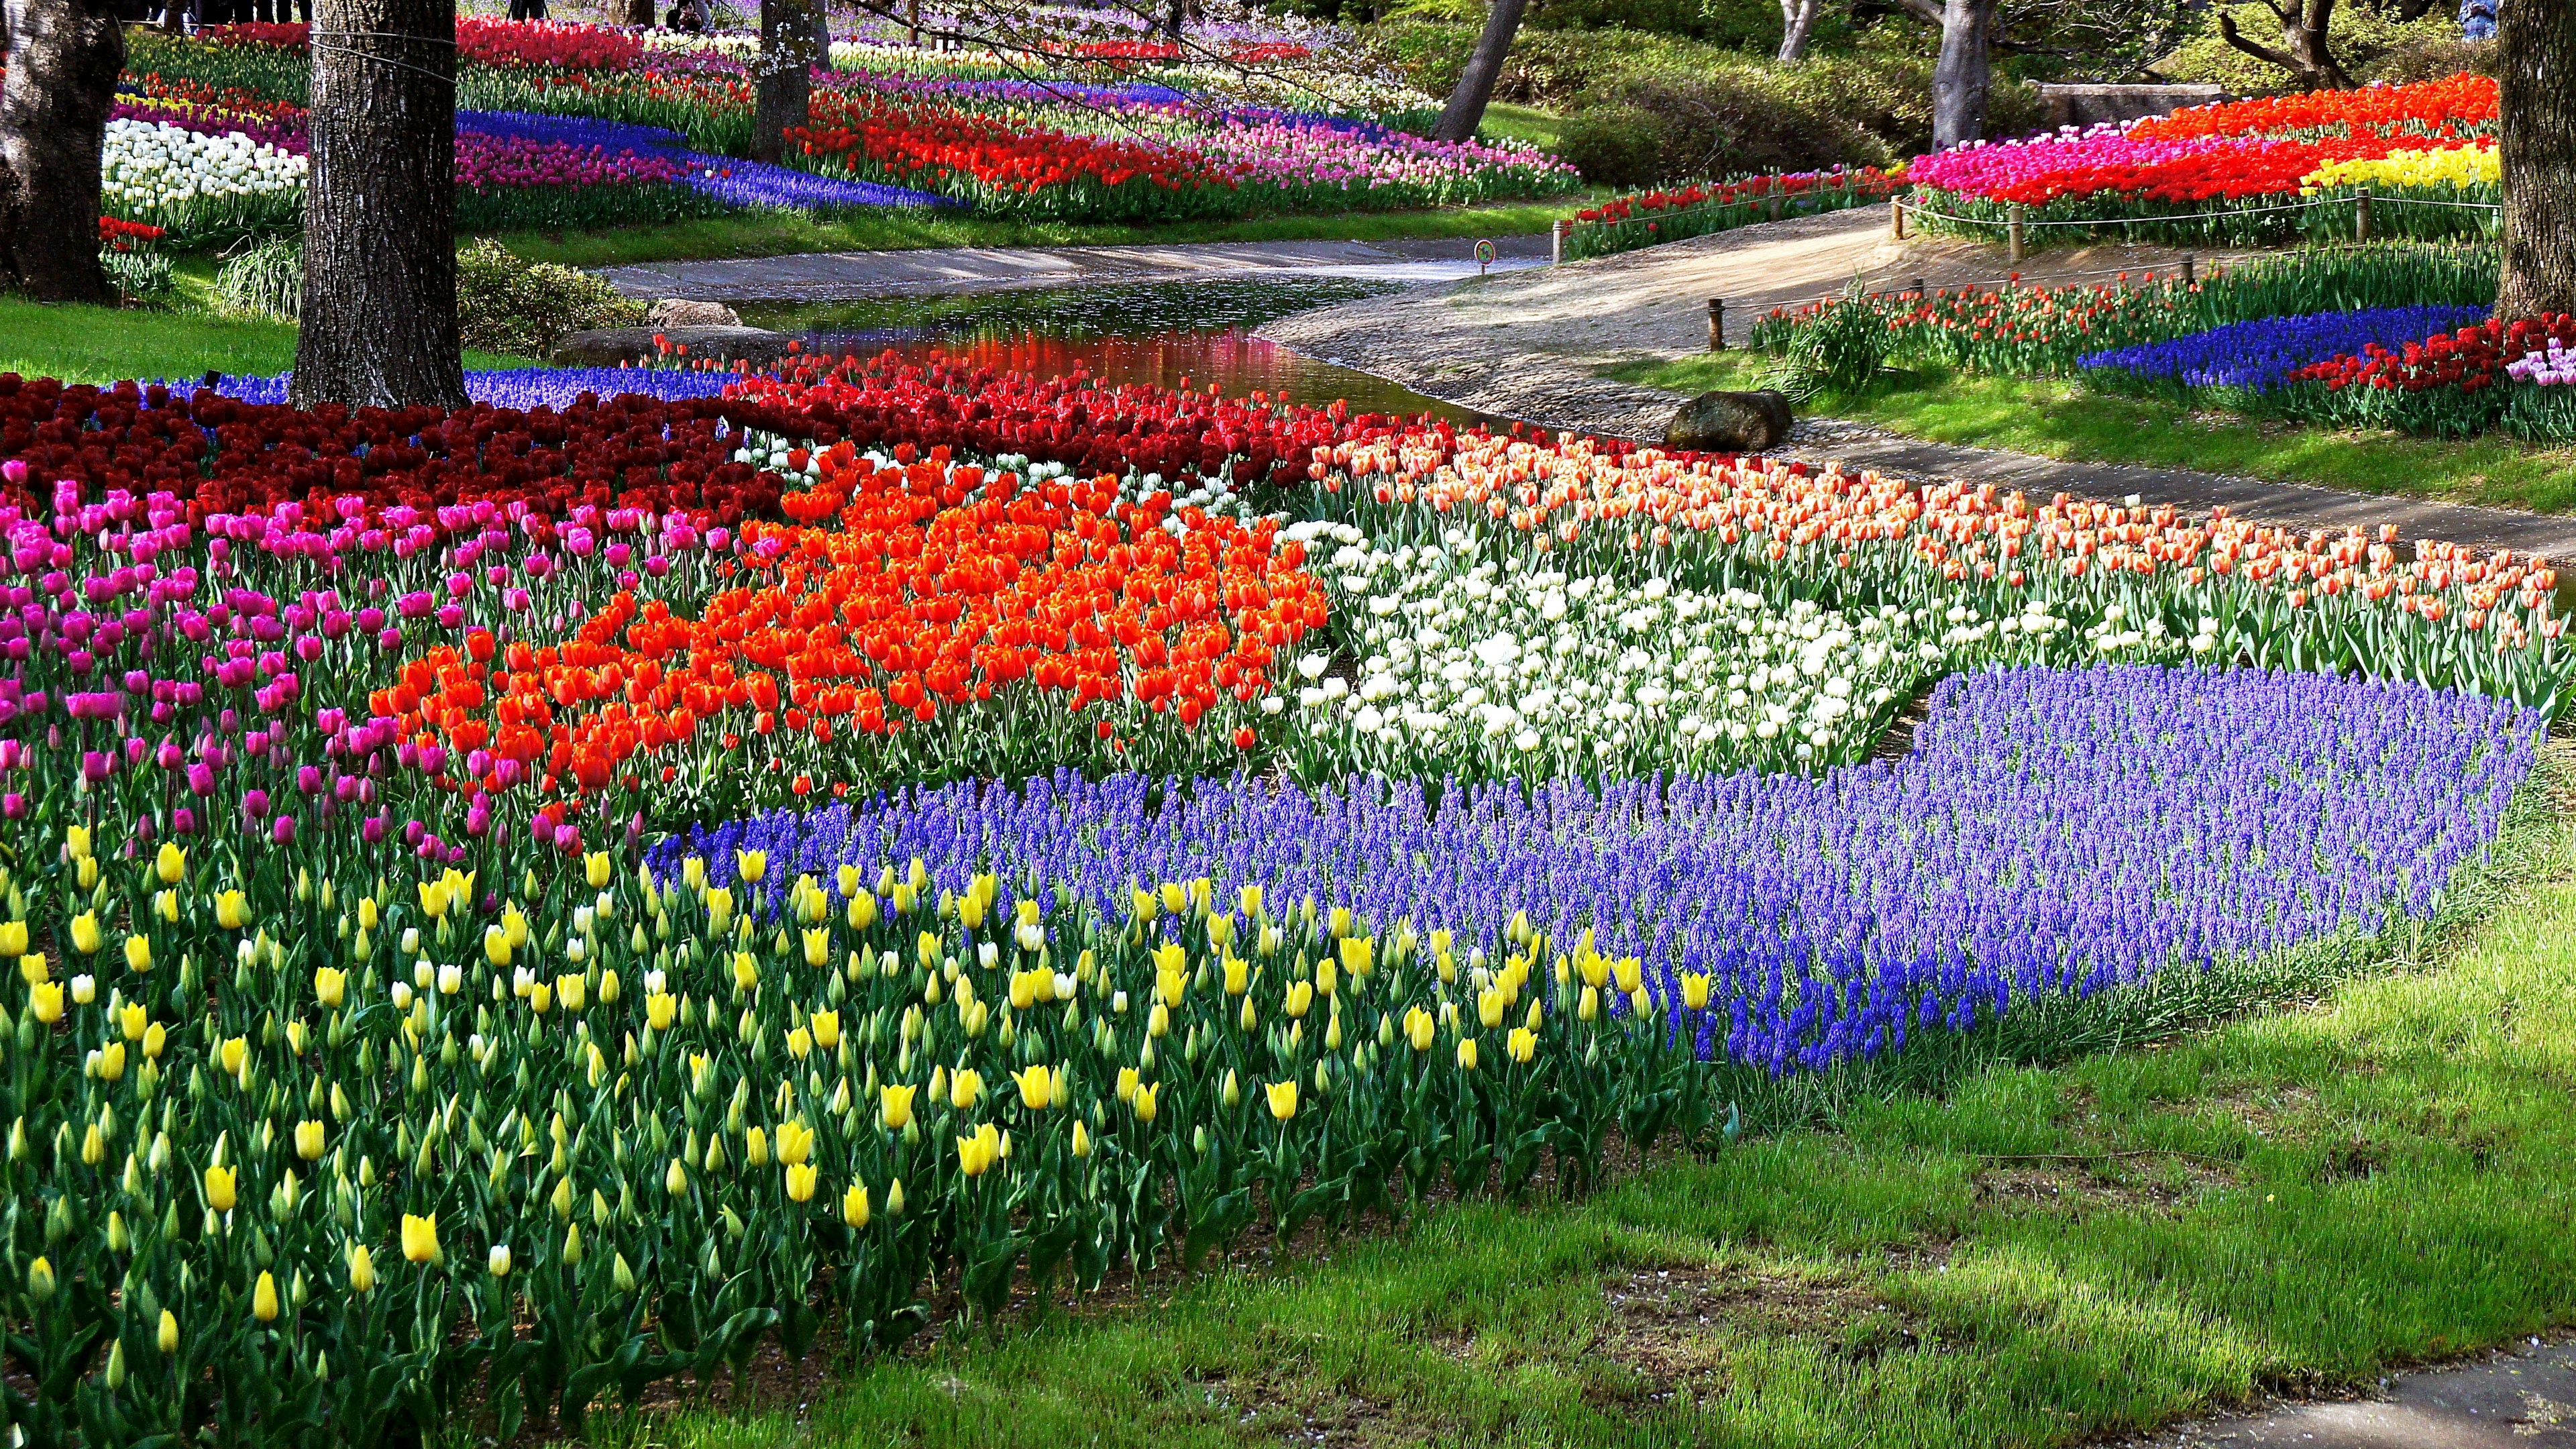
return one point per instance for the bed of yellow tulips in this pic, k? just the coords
(315, 1160)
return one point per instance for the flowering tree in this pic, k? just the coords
(64, 56)
(2536, 95)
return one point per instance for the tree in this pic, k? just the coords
(1475, 90)
(64, 57)
(791, 45)
(1964, 76)
(1797, 20)
(2538, 152)
(2305, 50)
(379, 300)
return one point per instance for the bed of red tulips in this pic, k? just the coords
(1000, 163)
(1036, 624)
(2456, 107)
(2451, 385)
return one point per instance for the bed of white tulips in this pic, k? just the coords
(195, 186)
(1479, 667)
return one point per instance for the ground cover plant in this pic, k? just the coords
(516, 905)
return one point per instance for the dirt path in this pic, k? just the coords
(1531, 345)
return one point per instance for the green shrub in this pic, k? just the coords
(2373, 45)
(1619, 146)
(266, 280)
(507, 305)
(1668, 126)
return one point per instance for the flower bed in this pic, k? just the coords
(490, 922)
(2238, 173)
(2259, 357)
(1648, 218)
(2450, 384)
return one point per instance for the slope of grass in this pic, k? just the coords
(2064, 420)
(778, 233)
(2299, 1200)
(186, 341)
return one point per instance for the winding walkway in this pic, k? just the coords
(1533, 344)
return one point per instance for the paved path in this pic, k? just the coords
(1531, 345)
(2522, 1399)
(931, 271)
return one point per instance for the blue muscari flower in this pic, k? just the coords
(742, 183)
(524, 388)
(2056, 832)
(2259, 355)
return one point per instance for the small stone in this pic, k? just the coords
(1731, 422)
(683, 312)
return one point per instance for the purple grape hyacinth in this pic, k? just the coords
(2052, 832)
(2259, 356)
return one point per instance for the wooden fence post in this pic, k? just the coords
(2013, 237)
(2361, 215)
(1717, 324)
(1896, 218)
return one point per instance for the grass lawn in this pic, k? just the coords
(185, 341)
(2058, 419)
(778, 233)
(2298, 1200)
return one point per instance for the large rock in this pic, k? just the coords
(608, 346)
(685, 312)
(2092, 105)
(1730, 422)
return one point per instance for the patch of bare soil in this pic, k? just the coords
(1676, 1330)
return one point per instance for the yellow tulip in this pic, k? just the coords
(676, 1181)
(746, 971)
(800, 1043)
(1695, 990)
(367, 916)
(308, 1140)
(818, 947)
(232, 1053)
(433, 899)
(660, 1009)
(76, 842)
(263, 1299)
(496, 945)
(1522, 1044)
(330, 986)
(13, 938)
(755, 1148)
(232, 912)
(111, 1061)
(751, 865)
(607, 987)
(965, 1088)
(420, 1238)
(170, 864)
(1037, 1087)
(1238, 975)
(133, 1017)
(362, 1270)
(138, 953)
(1081, 1139)
(801, 1178)
(594, 869)
(1359, 954)
(1489, 1008)
(1419, 1028)
(1301, 999)
(541, 997)
(795, 1141)
(977, 1154)
(572, 991)
(894, 1107)
(827, 1029)
(719, 910)
(155, 1037)
(167, 1337)
(854, 1205)
(1467, 1054)
(1283, 1099)
(219, 1189)
(1126, 1083)
(86, 936)
(1143, 1102)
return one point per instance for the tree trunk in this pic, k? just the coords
(1964, 75)
(785, 78)
(2538, 100)
(1797, 18)
(64, 56)
(379, 300)
(1466, 108)
(2305, 50)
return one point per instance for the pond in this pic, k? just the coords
(1170, 334)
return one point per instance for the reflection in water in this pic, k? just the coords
(1173, 335)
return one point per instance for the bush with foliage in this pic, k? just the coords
(2373, 44)
(505, 304)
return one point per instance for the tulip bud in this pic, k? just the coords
(362, 1270)
(623, 1275)
(263, 1298)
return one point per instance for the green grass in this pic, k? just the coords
(2299, 1200)
(764, 234)
(2063, 420)
(1540, 128)
(186, 340)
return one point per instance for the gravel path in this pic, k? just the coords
(933, 271)
(1532, 344)
(2522, 1398)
